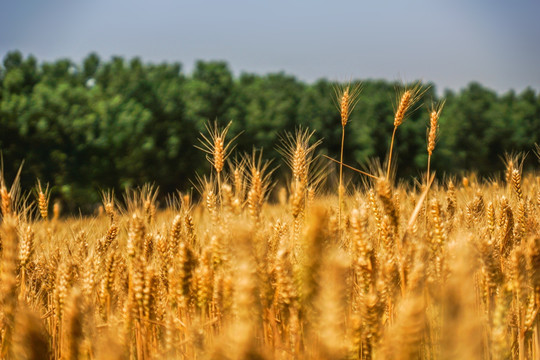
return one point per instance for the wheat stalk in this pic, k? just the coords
(434, 116)
(346, 98)
(217, 148)
(406, 100)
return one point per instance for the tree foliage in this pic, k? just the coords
(117, 123)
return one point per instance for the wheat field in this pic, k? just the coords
(447, 268)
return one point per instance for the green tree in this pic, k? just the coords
(208, 92)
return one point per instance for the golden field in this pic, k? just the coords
(445, 269)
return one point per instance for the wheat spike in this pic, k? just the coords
(403, 106)
(43, 200)
(346, 100)
(408, 98)
(516, 183)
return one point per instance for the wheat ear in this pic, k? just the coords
(43, 200)
(347, 98)
(408, 98)
(217, 148)
(434, 115)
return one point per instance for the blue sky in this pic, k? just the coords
(447, 42)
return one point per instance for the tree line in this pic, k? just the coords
(121, 123)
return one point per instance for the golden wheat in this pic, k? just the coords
(235, 275)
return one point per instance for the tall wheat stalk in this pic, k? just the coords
(405, 103)
(434, 115)
(346, 99)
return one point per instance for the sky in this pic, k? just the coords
(447, 42)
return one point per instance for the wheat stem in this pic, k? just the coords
(340, 189)
(390, 154)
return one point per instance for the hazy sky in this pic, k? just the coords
(495, 42)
